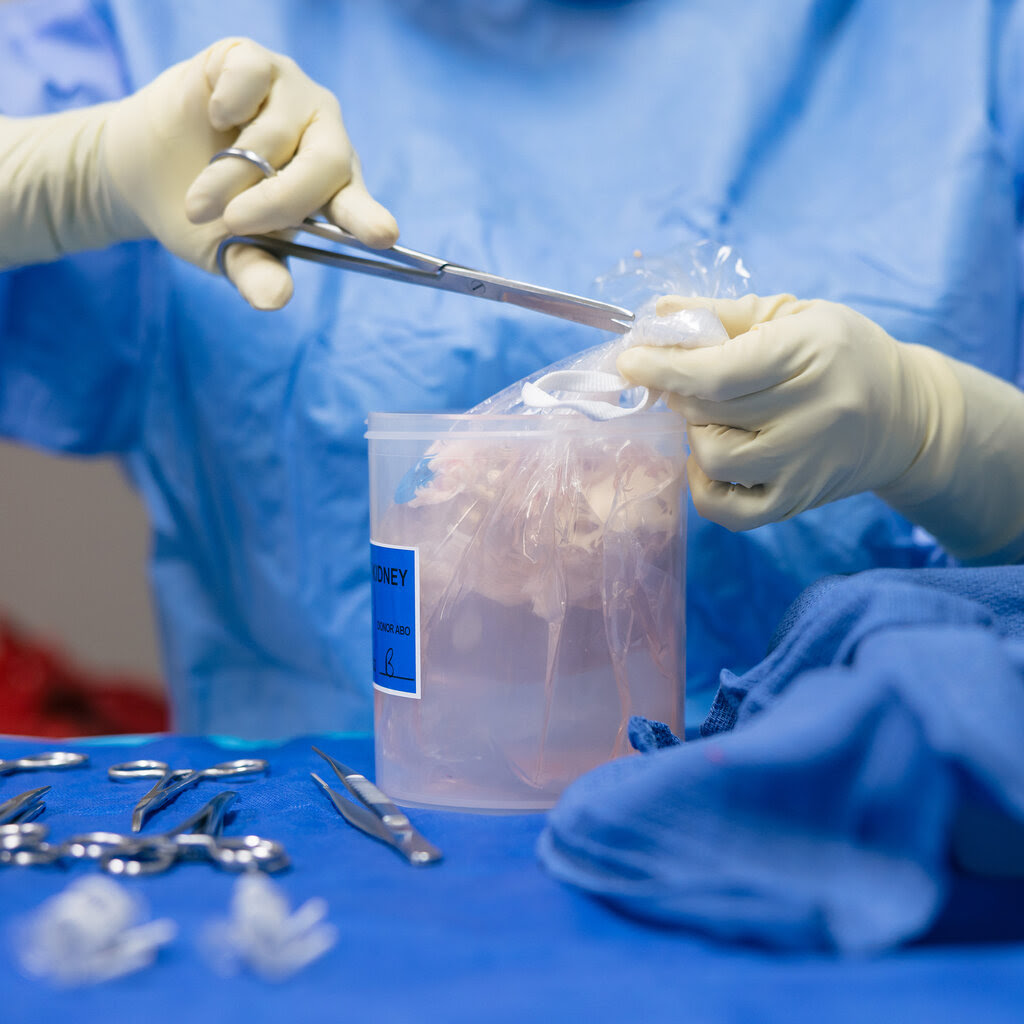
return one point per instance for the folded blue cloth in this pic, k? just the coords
(836, 784)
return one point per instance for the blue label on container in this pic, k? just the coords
(395, 603)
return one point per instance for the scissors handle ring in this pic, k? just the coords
(243, 853)
(25, 845)
(267, 245)
(49, 759)
(265, 166)
(137, 770)
(92, 845)
(13, 837)
(148, 856)
(242, 766)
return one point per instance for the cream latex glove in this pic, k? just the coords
(809, 402)
(140, 167)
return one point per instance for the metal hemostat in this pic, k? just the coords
(199, 837)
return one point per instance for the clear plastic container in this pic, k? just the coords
(528, 596)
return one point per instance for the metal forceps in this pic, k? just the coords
(173, 780)
(38, 762)
(375, 814)
(411, 267)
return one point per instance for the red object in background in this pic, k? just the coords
(43, 694)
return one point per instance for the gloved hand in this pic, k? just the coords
(140, 168)
(809, 402)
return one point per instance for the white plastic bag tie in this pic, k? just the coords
(598, 393)
(605, 391)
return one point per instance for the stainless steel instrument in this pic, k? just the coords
(375, 814)
(411, 267)
(173, 780)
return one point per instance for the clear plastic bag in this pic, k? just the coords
(705, 269)
(550, 559)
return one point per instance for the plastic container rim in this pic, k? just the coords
(429, 426)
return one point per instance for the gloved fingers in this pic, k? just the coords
(733, 506)
(751, 412)
(728, 455)
(282, 126)
(761, 358)
(262, 279)
(218, 184)
(286, 125)
(737, 315)
(251, 204)
(325, 170)
(240, 74)
(215, 185)
(743, 457)
(354, 209)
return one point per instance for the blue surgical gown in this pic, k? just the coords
(863, 151)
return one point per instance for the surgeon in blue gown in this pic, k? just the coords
(861, 152)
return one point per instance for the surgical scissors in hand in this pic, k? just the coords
(411, 267)
(37, 762)
(173, 780)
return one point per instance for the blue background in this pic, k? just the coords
(857, 150)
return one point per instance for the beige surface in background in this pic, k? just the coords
(73, 546)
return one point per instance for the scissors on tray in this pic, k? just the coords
(406, 265)
(39, 762)
(375, 814)
(197, 838)
(171, 781)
